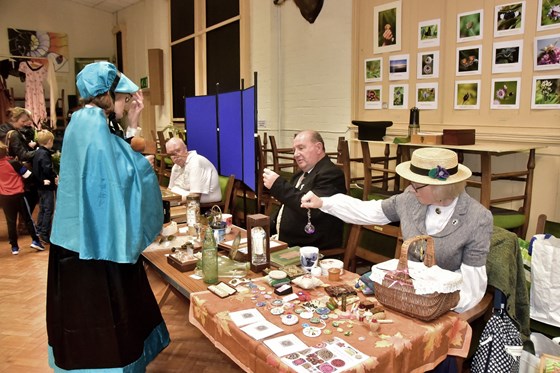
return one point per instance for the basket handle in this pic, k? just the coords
(429, 256)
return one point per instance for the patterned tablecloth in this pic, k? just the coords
(406, 345)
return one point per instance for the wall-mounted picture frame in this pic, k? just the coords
(546, 92)
(546, 54)
(427, 65)
(399, 67)
(373, 97)
(548, 16)
(373, 69)
(429, 33)
(507, 56)
(509, 19)
(467, 94)
(470, 26)
(427, 96)
(387, 27)
(469, 60)
(398, 96)
(505, 93)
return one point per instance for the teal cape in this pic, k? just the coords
(109, 205)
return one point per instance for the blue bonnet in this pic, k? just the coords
(100, 77)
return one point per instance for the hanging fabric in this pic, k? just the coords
(6, 100)
(53, 89)
(34, 92)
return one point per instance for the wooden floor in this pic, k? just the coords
(23, 337)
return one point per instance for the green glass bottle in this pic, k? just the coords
(209, 257)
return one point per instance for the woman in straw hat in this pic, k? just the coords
(436, 204)
(101, 312)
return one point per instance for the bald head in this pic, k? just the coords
(309, 149)
(177, 149)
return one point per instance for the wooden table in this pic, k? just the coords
(406, 345)
(179, 282)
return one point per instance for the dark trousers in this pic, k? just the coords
(46, 210)
(12, 206)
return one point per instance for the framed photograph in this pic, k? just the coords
(468, 60)
(387, 27)
(398, 96)
(373, 97)
(428, 33)
(427, 96)
(469, 26)
(505, 93)
(546, 92)
(399, 67)
(547, 52)
(428, 65)
(509, 19)
(467, 94)
(373, 69)
(548, 15)
(507, 56)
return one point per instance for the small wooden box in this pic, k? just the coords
(459, 137)
(187, 266)
(432, 138)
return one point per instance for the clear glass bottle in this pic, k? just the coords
(258, 245)
(193, 209)
(209, 258)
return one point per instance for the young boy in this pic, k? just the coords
(12, 199)
(46, 183)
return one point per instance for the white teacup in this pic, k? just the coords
(308, 256)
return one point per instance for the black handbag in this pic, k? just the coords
(491, 355)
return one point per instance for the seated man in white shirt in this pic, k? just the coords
(192, 173)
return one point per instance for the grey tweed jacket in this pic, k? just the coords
(465, 238)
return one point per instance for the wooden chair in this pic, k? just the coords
(226, 186)
(282, 158)
(355, 246)
(377, 170)
(265, 200)
(163, 165)
(516, 221)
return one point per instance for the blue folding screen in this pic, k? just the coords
(223, 129)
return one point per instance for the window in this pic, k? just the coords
(205, 49)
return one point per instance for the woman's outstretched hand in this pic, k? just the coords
(311, 201)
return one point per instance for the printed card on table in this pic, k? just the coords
(246, 317)
(285, 344)
(261, 329)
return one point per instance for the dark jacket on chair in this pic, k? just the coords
(325, 179)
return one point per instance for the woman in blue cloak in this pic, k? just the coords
(101, 312)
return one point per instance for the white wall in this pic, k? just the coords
(304, 69)
(89, 32)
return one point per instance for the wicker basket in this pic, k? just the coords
(397, 291)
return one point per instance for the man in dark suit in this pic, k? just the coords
(318, 174)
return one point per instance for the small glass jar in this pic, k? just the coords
(193, 209)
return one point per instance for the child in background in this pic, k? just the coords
(12, 200)
(46, 183)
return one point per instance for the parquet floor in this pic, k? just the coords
(23, 337)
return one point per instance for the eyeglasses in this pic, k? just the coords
(417, 188)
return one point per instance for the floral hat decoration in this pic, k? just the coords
(434, 166)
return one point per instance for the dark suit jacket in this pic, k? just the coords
(325, 179)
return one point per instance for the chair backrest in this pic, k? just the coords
(547, 226)
(357, 248)
(380, 166)
(282, 157)
(343, 161)
(226, 186)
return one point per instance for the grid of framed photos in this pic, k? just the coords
(509, 21)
